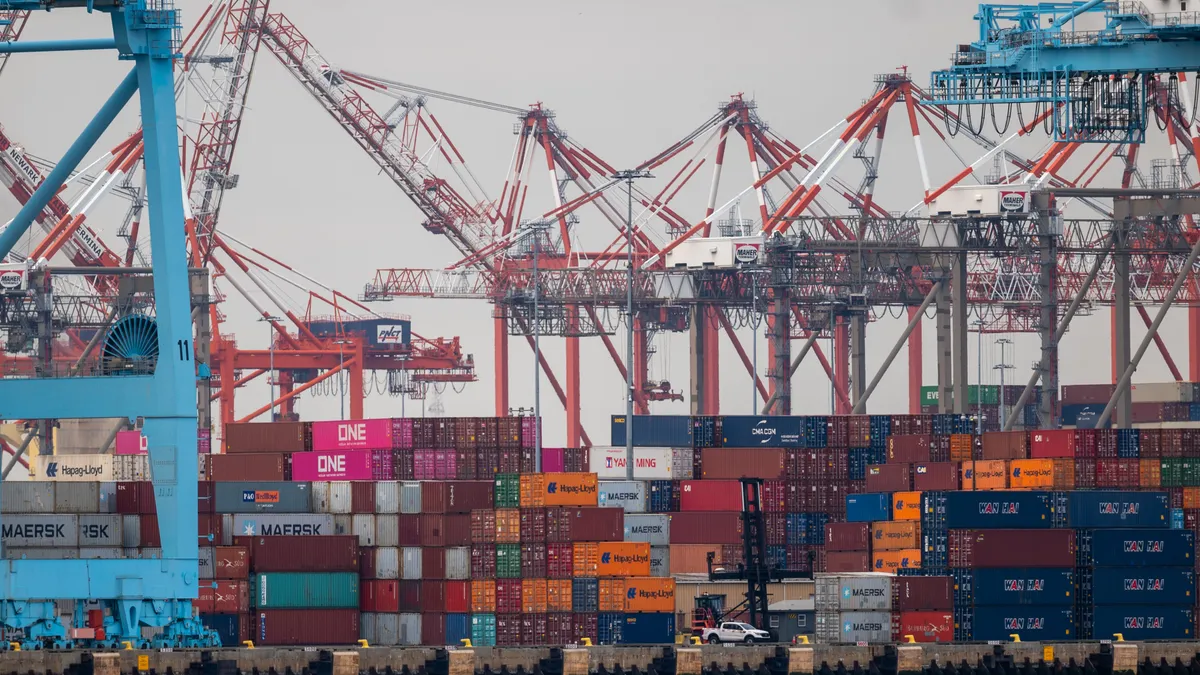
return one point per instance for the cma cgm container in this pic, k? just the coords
(743, 431)
(1143, 622)
(990, 509)
(659, 431)
(306, 627)
(1099, 509)
(1137, 547)
(1007, 586)
(1032, 623)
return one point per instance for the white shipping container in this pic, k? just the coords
(651, 528)
(73, 467)
(102, 553)
(40, 530)
(660, 561)
(863, 591)
(108, 497)
(227, 531)
(202, 470)
(131, 531)
(364, 529)
(870, 627)
(280, 524)
(648, 463)
(682, 463)
(387, 628)
(629, 495)
(1162, 392)
(143, 553)
(331, 497)
(387, 529)
(343, 524)
(409, 632)
(131, 467)
(73, 497)
(387, 562)
(101, 529)
(458, 562)
(367, 628)
(410, 563)
(27, 497)
(208, 558)
(387, 496)
(410, 497)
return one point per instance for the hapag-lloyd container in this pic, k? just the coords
(376, 434)
(333, 465)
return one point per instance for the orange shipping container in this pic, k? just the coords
(649, 594)
(533, 489)
(906, 506)
(558, 595)
(612, 595)
(891, 561)
(693, 558)
(1031, 474)
(962, 447)
(894, 536)
(585, 559)
(483, 596)
(559, 489)
(623, 559)
(1064, 473)
(1191, 499)
(533, 596)
(508, 526)
(1151, 474)
(991, 474)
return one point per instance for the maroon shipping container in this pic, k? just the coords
(560, 561)
(584, 524)
(935, 476)
(433, 628)
(1172, 442)
(380, 595)
(508, 596)
(706, 527)
(923, 626)
(209, 529)
(451, 529)
(1012, 548)
(419, 596)
(831, 464)
(776, 528)
(366, 562)
(585, 624)
(483, 561)
(533, 629)
(1087, 393)
(332, 553)
(231, 562)
(228, 597)
(306, 627)
(917, 593)
(847, 537)
(1150, 444)
(533, 525)
(727, 463)
(456, 496)
(205, 497)
(433, 563)
(891, 477)
(1086, 443)
(251, 437)
(508, 630)
(798, 498)
(362, 497)
(465, 465)
(939, 449)
(559, 628)
(1005, 445)
(135, 498)
(1085, 473)
(466, 437)
(149, 532)
(806, 558)
(1118, 473)
(409, 525)
(533, 561)
(483, 526)
(914, 448)
(774, 496)
(710, 495)
(266, 466)
(847, 561)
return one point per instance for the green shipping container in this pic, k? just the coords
(508, 561)
(990, 394)
(1180, 472)
(483, 630)
(304, 590)
(508, 490)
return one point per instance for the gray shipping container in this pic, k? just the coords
(409, 632)
(653, 529)
(829, 626)
(364, 528)
(410, 497)
(247, 496)
(101, 553)
(367, 628)
(458, 562)
(387, 496)
(410, 563)
(40, 530)
(73, 497)
(131, 531)
(849, 592)
(343, 524)
(144, 553)
(207, 561)
(27, 497)
(625, 494)
(281, 524)
(682, 463)
(331, 497)
(108, 497)
(871, 627)
(387, 562)
(387, 529)
(660, 561)
(22, 553)
(101, 529)
(387, 629)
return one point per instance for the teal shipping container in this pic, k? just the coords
(483, 630)
(304, 590)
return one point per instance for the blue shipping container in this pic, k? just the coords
(609, 628)
(1143, 586)
(458, 628)
(816, 528)
(1142, 622)
(745, 431)
(648, 629)
(1000, 586)
(226, 626)
(662, 494)
(654, 431)
(585, 594)
(777, 556)
(1177, 519)
(797, 529)
(1194, 412)
(881, 428)
(1136, 548)
(1129, 443)
(1031, 623)
(1118, 508)
(705, 433)
(992, 509)
(865, 508)
(816, 431)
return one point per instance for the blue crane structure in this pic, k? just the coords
(1097, 82)
(137, 593)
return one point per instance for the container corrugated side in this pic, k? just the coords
(409, 629)
(387, 529)
(40, 530)
(332, 497)
(387, 562)
(629, 495)
(311, 552)
(870, 627)
(1033, 624)
(411, 563)
(387, 496)
(1143, 622)
(1138, 547)
(280, 524)
(1160, 586)
(1105, 508)
(410, 497)
(27, 497)
(76, 497)
(307, 627)
(660, 561)
(654, 529)
(264, 496)
(305, 590)
(458, 562)
(999, 586)
(100, 530)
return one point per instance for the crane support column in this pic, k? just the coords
(1043, 205)
(944, 373)
(960, 315)
(203, 327)
(697, 361)
(781, 356)
(704, 337)
(841, 359)
(500, 340)
(1123, 411)
(858, 357)
(915, 364)
(574, 424)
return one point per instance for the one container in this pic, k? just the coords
(1137, 547)
(352, 435)
(1012, 548)
(629, 495)
(307, 627)
(1008, 586)
(332, 465)
(653, 529)
(270, 497)
(131, 442)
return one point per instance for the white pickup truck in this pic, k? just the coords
(733, 631)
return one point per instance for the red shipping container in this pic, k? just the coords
(210, 529)
(1087, 393)
(433, 563)
(231, 562)
(926, 626)
(456, 496)
(483, 561)
(1106, 443)
(379, 595)
(922, 593)
(1085, 443)
(327, 553)
(445, 530)
(726, 463)
(700, 527)
(935, 476)
(306, 627)
(585, 624)
(533, 629)
(1005, 445)
(892, 477)
(533, 525)
(559, 628)
(135, 498)
(458, 597)
(533, 561)
(508, 596)
(710, 495)
(149, 532)
(1052, 443)
(776, 528)
(584, 524)
(508, 630)
(228, 597)
(271, 467)
(1118, 473)
(366, 562)
(847, 536)
(362, 496)
(433, 628)
(847, 561)
(908, 448)
(254, 437)
(560, 561)
(1150, 444)
(1012, 548)
(774, 496)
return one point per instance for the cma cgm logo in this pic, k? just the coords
(352, 432)
(331, 463)
(1002, 508)
(764, 429)
(1120, 508)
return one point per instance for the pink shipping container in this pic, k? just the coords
(554, 460)
(710, 495)
(1052, 443)
(435, 464)
(529, 429)
(132, 443)
(333, 465)
(203, 441)
(402, 432)
(352, 435)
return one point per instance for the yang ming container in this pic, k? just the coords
(1143, 622)
(1137, 547)
(1099, 509)
(276, 497)
(1009, 586)
(305, 590)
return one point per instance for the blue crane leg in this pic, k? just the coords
(57, 46)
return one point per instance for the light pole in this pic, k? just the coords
(534, 230)
(755, 322)
(629, 175)
(1002, 366)
(979, 379)
(271, 321)
(342, 373)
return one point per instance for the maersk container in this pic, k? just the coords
(100, 530)
(1142, 622)
(629, 495)
(56, 553)
(649, 528)
(648, 629)
(853, 592)
(745, 431)
(660, 561)
(1136, 547)
(990, 509)
(1143, 586)
(1031, 623)
(279, 524)
(1007, 586)
(1101, 509)
(40, 530)
(870, 627)
(265, 496)
(27, 497)
(865, 508)
(654, 431)
(305, 590)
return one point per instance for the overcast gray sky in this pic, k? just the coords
(625, 79)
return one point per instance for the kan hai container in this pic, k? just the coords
(1137, 547)
(1009, 586)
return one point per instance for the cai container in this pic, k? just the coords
(869, 507)
(1143, 622)
(912, 593)
(1012, 548)
(664, 431)
(1137, 547)
(352, 435)
(1118, 508)
(1052, 443)
(628, 495)
(710, 495)
(745, 431)
(923, 626)
(1143, 586)
(306, 627)
(332, 465)
(265, 496)
(653, 529)
(271, 437)
(1006, 586)
(302, 553)
(1033, 623)
(935, 476)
